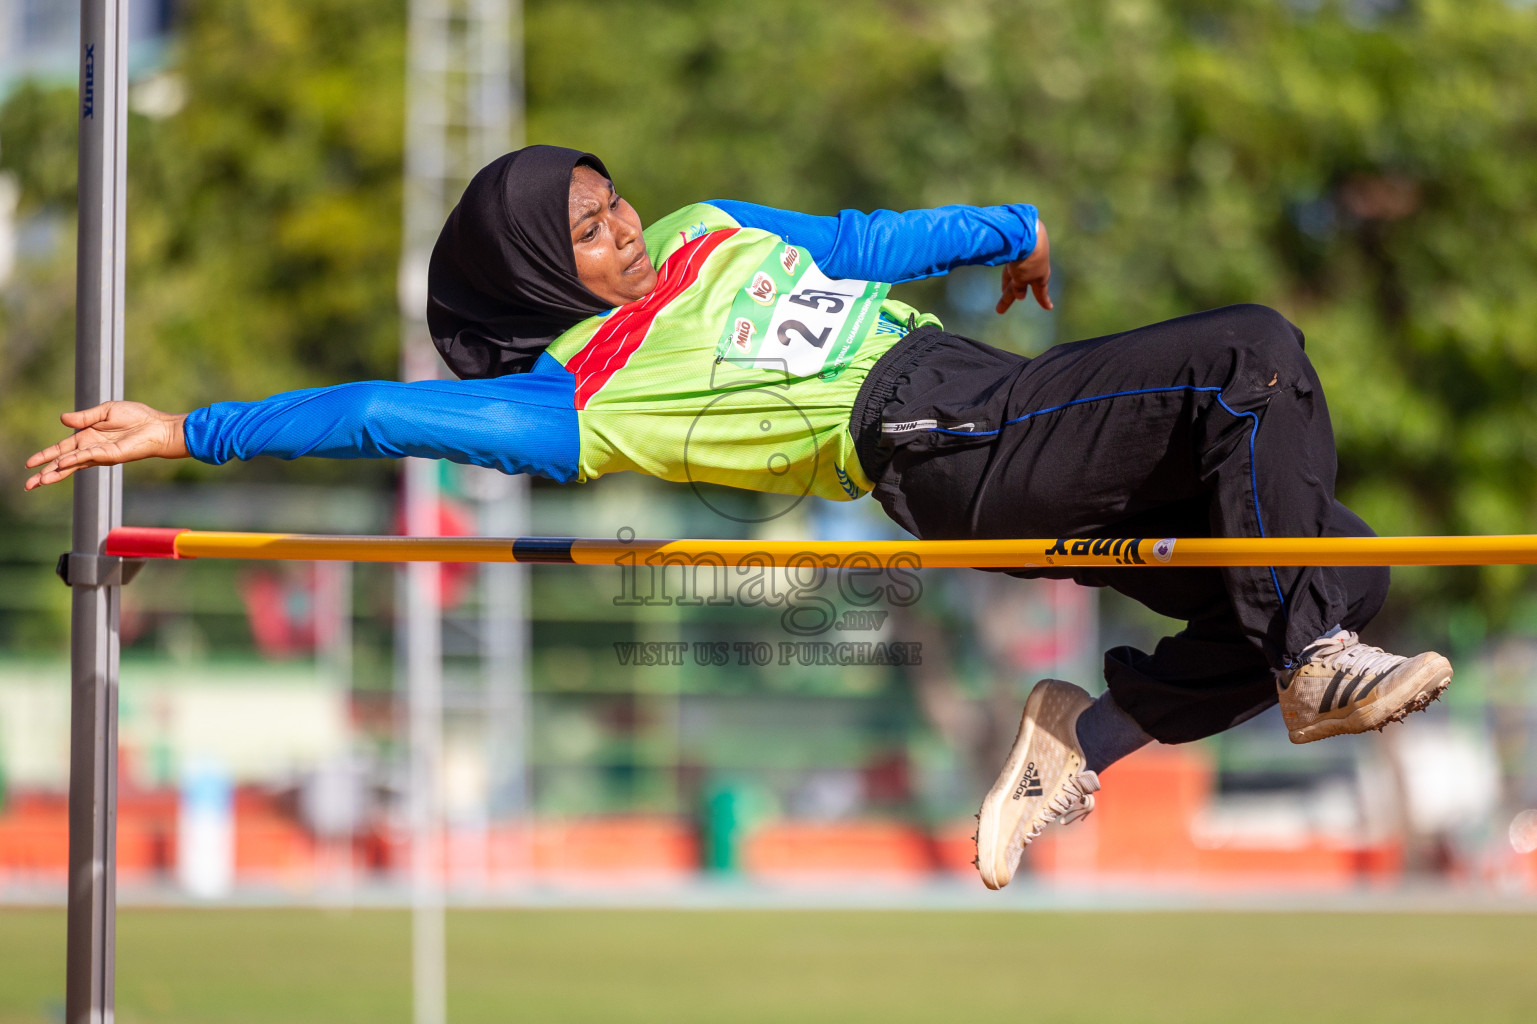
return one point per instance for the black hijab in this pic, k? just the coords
(502, 280)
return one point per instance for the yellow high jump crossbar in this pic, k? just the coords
(154, 542)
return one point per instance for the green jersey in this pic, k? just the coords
(741, 368)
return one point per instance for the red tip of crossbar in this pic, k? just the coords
(144, 542)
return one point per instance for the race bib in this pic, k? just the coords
(793, 319)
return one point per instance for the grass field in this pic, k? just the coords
(680, 967)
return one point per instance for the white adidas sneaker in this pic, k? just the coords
(1341, 685)
(1042, 781)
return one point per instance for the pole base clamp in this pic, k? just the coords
(97, 570)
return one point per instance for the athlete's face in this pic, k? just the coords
(610, 253)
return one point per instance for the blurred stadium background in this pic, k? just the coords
(1366, 166)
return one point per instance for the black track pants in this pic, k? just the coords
(1208, 425)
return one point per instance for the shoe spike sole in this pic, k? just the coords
(1419, 703)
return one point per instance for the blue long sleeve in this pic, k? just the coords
(896, 247)
(523, 423)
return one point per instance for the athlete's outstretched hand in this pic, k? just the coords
(106, 435)
(1031, 274)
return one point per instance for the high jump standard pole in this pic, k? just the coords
(96, 578)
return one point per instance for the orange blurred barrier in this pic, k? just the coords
(616, 849)
(1145, 826)
(789, 849)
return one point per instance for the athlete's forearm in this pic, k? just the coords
(523, 423)
(896, 247)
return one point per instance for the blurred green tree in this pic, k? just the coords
(263, 219)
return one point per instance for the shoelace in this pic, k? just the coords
(1074, 803)
(1346, 653)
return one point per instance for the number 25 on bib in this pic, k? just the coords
(793, 319)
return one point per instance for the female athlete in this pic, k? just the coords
(757, 348)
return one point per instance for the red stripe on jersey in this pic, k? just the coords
(611, 347)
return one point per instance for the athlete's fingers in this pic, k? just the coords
(82, 418)
(79, 420)
(1010, 291)
(1042, 291)
(107, 453)
(53, 451)
(48, 476)
(66, 465)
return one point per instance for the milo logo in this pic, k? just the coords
(762, 289)
(790, 259)
(741, 335)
